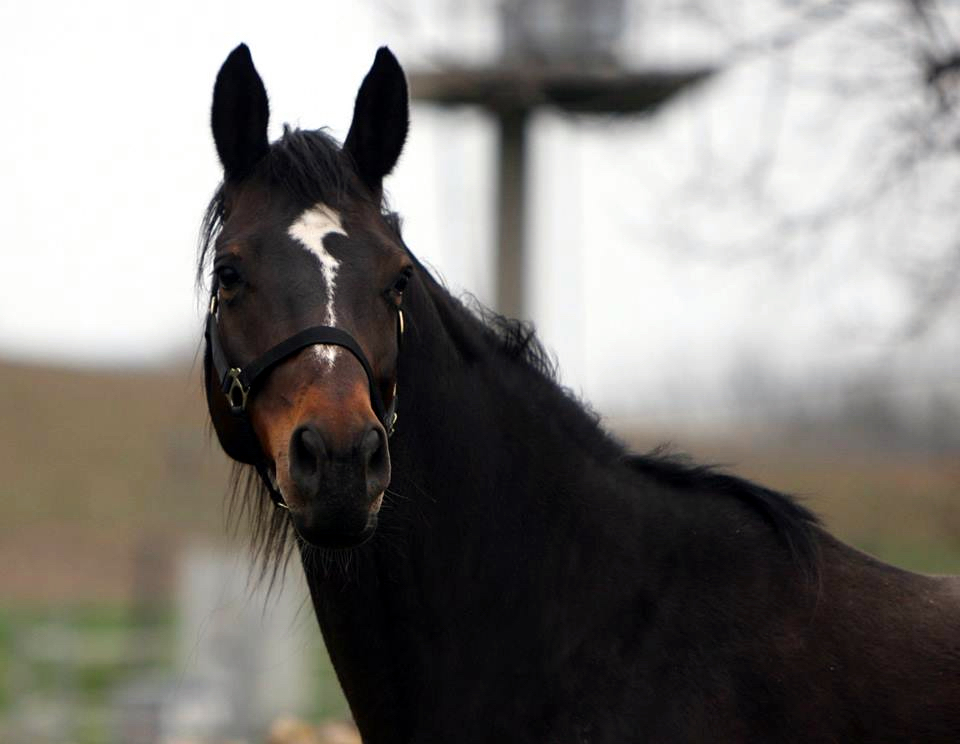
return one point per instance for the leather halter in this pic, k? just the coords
(238, 383)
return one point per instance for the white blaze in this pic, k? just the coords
(309, 229)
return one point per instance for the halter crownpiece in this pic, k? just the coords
(237, 383)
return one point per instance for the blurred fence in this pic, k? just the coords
(221, 665)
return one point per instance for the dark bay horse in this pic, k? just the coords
(493, 566)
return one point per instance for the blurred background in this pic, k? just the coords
(734, 222)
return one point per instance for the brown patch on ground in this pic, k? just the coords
(290, 730)
(104, 475)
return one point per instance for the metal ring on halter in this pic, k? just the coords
(236, 386)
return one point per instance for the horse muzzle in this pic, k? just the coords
(334, 493)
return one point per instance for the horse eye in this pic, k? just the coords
(402, 281)
(227, 276)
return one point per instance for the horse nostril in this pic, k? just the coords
(307, 452)
(312, 442)
(373, 450)
(370, 444)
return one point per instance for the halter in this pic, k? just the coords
(237, 383)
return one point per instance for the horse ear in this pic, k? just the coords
(381, 117)
(240, 114)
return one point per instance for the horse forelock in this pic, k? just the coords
(309, 168)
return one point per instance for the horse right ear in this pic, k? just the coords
(240, 115)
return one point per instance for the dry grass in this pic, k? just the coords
(99, 467)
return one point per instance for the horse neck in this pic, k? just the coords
(476, 416)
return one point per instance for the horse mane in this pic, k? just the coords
(792, 521)
(518, 340)
(795, 525)
(310, 167)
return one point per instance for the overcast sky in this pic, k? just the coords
(108, 163)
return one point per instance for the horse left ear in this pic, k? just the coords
(381, 118)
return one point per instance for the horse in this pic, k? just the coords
(486, 563)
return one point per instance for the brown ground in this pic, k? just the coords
(100, 468)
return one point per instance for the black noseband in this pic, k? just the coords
(237, 383)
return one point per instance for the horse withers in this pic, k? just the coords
(486, 563)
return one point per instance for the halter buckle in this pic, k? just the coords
(236, 393)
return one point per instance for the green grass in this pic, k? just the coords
(92, 683)
(328, 697)
(923, 557)
(31, 662)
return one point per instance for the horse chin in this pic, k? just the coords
(342, 530)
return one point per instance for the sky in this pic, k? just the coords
(644, 278)
(110, 162)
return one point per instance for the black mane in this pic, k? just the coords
(794, 523)
(308, 165)
(517, 340)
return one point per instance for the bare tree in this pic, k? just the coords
(893, 66)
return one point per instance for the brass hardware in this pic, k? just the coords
(236, 386)
(213, 304)
(400, 313)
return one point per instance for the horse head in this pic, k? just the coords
(305, 321)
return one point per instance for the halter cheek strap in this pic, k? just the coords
(237, 383)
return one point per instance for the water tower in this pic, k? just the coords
(555, 53)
